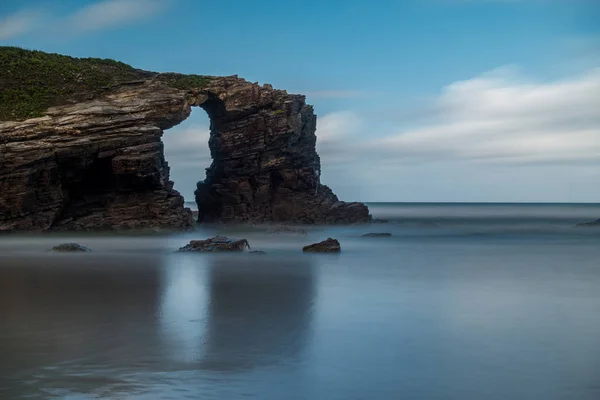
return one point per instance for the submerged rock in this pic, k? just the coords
(326, 246)
(70, 248)
(287, 230)
(382, 234)
(592, 224)
(258, 252)
(216, 244)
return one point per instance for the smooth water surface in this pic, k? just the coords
(462, 302)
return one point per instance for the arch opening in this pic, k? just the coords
(192, 151)
(187, 153)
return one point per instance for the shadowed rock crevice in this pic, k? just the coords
(99, 163)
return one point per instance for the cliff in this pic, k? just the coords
(80, 149)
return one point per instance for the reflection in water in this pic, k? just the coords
(182, 312)
(114, 326)
(258, 316)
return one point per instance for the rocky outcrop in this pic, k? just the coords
(70, 248)
(326, 246)
(99, 163)
(216, 244)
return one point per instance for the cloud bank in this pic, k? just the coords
(498, 117)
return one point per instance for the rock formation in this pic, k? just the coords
(96, 161)
(326, 246)
(70, 248)
(216, 244)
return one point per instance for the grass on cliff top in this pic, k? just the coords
(181, 81)
(32, 81)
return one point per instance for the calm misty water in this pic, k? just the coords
(463, 302)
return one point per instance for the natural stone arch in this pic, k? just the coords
(99, 163)
(265, 167)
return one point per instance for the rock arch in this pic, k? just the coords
(99, 163)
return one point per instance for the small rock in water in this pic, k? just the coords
(258, 252)
(216, 244)
(380, 221)
(286, 229)
(383, 234)
(70, 247)
(595, 224)
(326, 246)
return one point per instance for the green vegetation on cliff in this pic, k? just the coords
(31, 81)
(181, 81)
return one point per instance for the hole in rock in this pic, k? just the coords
(187, 153)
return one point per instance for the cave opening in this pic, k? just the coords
(86, 186)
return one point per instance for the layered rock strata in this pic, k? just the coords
(98, 164)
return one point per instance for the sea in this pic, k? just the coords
(463, 301)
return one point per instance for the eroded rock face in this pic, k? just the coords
(99, 164)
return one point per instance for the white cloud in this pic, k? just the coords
(335, 133)
(111, 13)
(18, 23)
(187, 148)
(503, 118)
(338, 125)
(498, 117)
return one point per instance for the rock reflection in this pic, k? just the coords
(74, 324)
(259, 313)
(112, 327)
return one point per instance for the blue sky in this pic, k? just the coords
(418, 100)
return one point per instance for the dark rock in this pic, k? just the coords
(286, 230)
(592, 224)
(380, 221)
(383, 234)
(70, 248)
(257, 252)
(98, 163)
(216, 244)
(327, 246)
